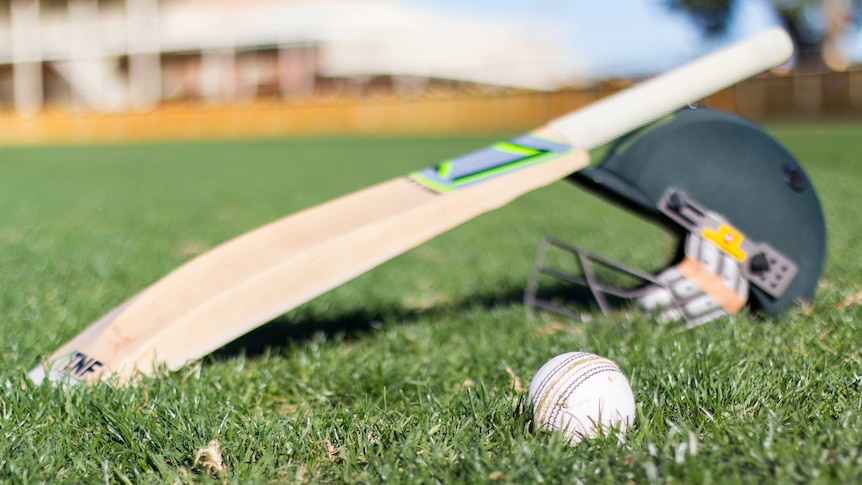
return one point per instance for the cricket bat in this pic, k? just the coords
(248, 281)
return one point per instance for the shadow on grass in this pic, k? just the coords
(297, 328)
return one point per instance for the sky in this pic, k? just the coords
(616, 37)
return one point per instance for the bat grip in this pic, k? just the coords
(615, 115)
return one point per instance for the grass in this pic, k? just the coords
(415, 371)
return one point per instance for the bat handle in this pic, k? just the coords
(615, 115)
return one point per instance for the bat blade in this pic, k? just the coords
(252, 279)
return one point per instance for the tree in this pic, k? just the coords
(713, 16)
(815, 25)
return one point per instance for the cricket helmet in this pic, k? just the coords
(750, 225)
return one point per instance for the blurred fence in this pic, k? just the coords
(812, 96)
(817, 96)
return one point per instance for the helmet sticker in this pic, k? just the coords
(728, 239)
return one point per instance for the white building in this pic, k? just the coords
(114, 55)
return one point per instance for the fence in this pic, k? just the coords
(816, 96)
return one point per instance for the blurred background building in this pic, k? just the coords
(116, 55)
(134, 56)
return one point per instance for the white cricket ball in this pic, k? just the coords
(581, 394)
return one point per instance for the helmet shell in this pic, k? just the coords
(733, 168)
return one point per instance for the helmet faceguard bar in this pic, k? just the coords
(588, 263)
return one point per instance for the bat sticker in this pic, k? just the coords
(489, 162)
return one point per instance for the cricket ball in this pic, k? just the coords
(581, 395)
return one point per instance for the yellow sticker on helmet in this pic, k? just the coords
(728, 238)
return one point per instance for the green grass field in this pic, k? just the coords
(415, 372)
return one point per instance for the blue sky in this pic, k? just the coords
(607, 37)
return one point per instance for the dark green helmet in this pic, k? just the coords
(700, 165)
